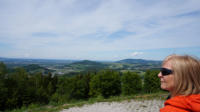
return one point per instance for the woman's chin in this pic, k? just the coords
(163, 87)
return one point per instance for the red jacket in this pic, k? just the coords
(182, 104)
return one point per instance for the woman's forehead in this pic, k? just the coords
(167, 64)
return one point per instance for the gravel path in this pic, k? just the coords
(125, 106)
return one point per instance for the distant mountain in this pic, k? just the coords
(75, 66)
(86, 62)
(138, 61)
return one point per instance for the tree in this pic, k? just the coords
(62, 93)
(106, 83)
(79, 87)
(151, 81)
(18, 88)
(131, 83)
(20, 77)
(3, 89)
(3, 69)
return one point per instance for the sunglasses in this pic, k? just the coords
(166, 71)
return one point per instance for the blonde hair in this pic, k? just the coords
(186, 71)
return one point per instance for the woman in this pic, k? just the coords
(180, 75)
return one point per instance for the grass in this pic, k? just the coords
(55, 107)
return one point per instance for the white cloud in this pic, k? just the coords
(136, 53)
(85, 27)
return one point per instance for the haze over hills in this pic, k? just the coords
(134, 61)
(87, 62)
(34, 61)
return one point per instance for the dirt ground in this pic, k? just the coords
(125, 106)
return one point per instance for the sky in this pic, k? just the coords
(99, 29)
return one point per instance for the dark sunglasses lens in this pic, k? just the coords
(165, 71)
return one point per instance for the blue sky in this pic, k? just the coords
(99, 29)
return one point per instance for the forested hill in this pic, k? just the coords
(34, 68)
(86, 65)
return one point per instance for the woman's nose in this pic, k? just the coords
(159, 75)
